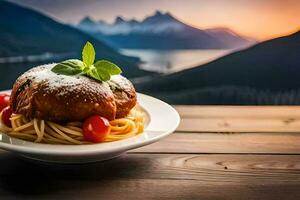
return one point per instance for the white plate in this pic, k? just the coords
(162, 120)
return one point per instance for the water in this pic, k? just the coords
(166, 61)
(154, 60)
(47, 56)
(12, 67)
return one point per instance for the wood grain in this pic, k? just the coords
(196, 162)
(239, 118)
(288, 125)
(261, 143)
(239, 111)
(156, 176)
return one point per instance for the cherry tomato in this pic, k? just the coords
(96, 128)
(4, 101)
(6, 114)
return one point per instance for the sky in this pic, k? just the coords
(260, 19)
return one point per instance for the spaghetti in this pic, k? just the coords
(42, 131)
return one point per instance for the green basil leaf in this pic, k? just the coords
(94, 74)
(105, 76)
(107, 66)
(101, 70)
(98, 75)
(88, 54)
(68, 67)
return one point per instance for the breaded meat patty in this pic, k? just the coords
(41, 93)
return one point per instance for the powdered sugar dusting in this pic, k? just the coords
(59, 82)
(119, 82)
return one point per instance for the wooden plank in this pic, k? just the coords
(143, 189)
(239, 111)
(258, 143)
(148, 176)
(245, 125)
(280, 119)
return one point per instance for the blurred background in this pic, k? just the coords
(227, 52)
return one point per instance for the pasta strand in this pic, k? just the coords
(42, 131)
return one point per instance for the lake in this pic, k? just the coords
(166, 61)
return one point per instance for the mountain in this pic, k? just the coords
(28, 32)
(271, 67)
(161, 31)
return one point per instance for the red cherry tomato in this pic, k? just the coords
(4, 101)
(6, 114)
(96, 128)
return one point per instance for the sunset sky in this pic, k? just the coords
(261, 19)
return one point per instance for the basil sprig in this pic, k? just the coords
(102, 70)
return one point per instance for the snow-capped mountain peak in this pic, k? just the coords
(119, 20)
(157, 23)
(160, 17)
(161, 30)
(87, 20)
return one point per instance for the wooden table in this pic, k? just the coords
(216, 153)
